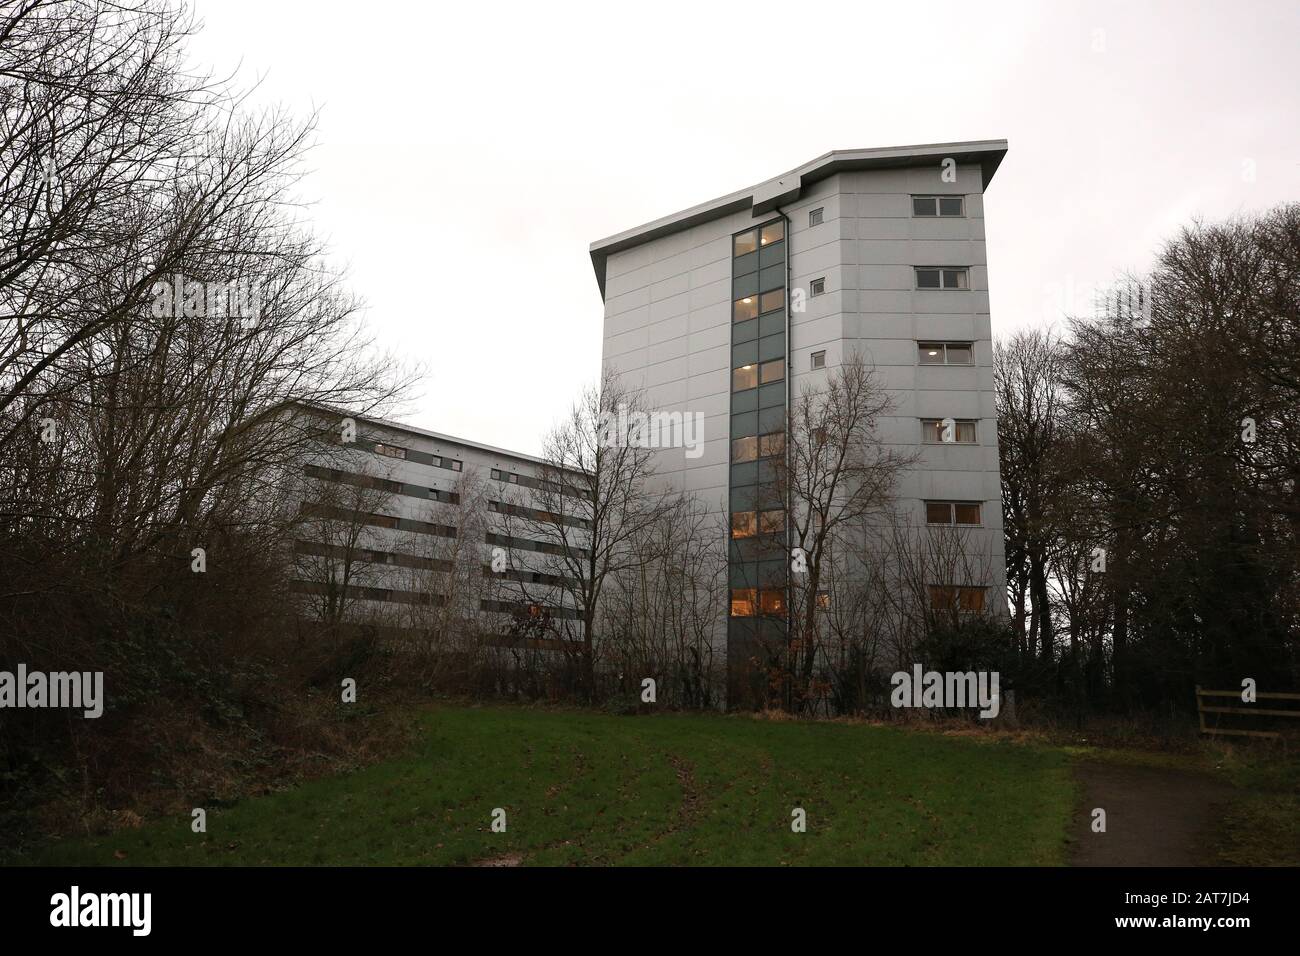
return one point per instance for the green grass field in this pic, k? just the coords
(593, 789)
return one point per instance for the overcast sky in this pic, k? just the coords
(469, 154)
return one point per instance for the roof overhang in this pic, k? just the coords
(787, 187)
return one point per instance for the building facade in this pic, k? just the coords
(732, 307)
(401, 522)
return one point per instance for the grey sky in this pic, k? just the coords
(468, 155)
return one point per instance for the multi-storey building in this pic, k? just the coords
(413, 519)
(731, 307)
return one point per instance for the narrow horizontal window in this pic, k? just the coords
(392, 451)
(952, 512)
(939, 277)
(947, 206)
(945, 353)
(948, 431)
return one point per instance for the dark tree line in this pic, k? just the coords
(1149, 465)
(137, 426)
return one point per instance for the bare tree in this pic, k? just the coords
(661, 614)
(596, 496)
(835, 472)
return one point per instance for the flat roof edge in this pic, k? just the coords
(987, 152)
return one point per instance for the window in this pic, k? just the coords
(771, 601)
(744, 377)
(746, 308)
(773, 232)
(823, 600)
(936, 205)
(819, 359)
(952, 512)
(938, 277)
(815, 216)
(456, 465)
(961, 431)
(771, 301)
(744, 449)
(817, 287)
(773, 371)
(392, 451)
(771, 522)
(947, 597)
(744, 524)
(744, 602)
(771, 444)
(745, 243)
(945, 353)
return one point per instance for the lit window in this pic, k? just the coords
(773, 232)
(744, 449)
(819, 359)
(771, 301)
(744, 524)
(823, 600)
(771, 522)
(815, 216)
(392, 451)
(745, 243)
(959, 432)
(744, 377)
(771, 601)
(945, 353)
(817, 287)
(743, 602)
(746, 308)
(773, 371)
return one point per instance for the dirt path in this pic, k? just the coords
(1154, 817)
